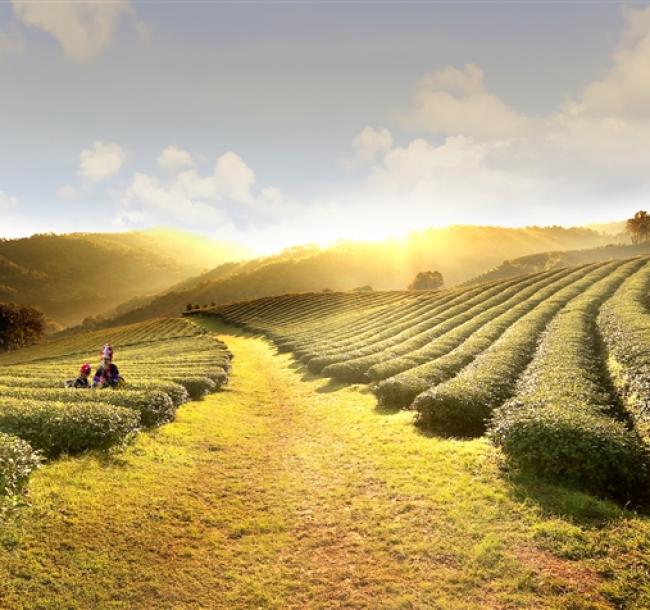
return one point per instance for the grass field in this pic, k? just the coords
(287, 490)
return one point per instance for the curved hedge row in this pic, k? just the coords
(455, 350)
(562, 423)
(154, 406)
(625, 324)
(57, 427)
(462, 405)
(166, 362)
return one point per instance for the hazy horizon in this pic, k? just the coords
(279, 124)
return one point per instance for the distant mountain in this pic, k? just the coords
(617, 227)
(71, 277)
(553, 260)
(458, 252)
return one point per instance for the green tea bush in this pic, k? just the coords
(178, 394)
(155, 406)
(443, 361)
(562, 423)
(197, 387)
(577, 448)
(56, 427)
(17, 461)
(218, 375)
(443, 332)
(404, 335)
(624, 321)
(462, 405)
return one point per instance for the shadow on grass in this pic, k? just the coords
(579, 507)
(111, 458)
(387, 409)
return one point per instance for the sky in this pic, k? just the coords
(279, 123)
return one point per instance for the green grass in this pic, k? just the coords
(289, 491)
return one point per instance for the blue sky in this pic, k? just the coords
(291, 122)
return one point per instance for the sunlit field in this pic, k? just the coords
(285, 490)
(324, 305)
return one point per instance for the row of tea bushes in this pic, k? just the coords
(452, 352)
(172, 362)
(455, 356)
(625, 324)
(462, 405)
(564, 422)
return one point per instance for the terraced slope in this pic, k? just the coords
(531, 344)
(165, 363)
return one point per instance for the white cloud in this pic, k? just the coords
(454, 101)
(173, 158)
(234, 179)
(83, 28)
(438, 184)
(369, 143)
(624, 90)
(102, 161)
(591, 155)
(7, 201)
(147, 200)
(201, 200)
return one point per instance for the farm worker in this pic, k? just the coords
(82, 379)
(106, 374)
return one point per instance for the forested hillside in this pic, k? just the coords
(459, 253)
(71, 277)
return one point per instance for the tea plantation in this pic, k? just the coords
(165, 362)
(554, 366)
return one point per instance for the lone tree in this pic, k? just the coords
(426, 280)
(639, 227)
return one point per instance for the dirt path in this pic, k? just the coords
(284, 491)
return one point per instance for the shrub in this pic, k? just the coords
(461, 406)
(175, 391)
(577, 448)
(20, 326)
(155, 406)
(197, 387)
(55, 427)
(218, 375)
(625, 323)
(561, 424)
(17, 461)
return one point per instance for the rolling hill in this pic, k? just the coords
(459, 252)
(554, 260)
(71, 277)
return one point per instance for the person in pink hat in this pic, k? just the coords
(107, 375)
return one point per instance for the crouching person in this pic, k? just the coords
(82, 379)
(107, 374)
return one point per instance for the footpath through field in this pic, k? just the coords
(286, 491)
